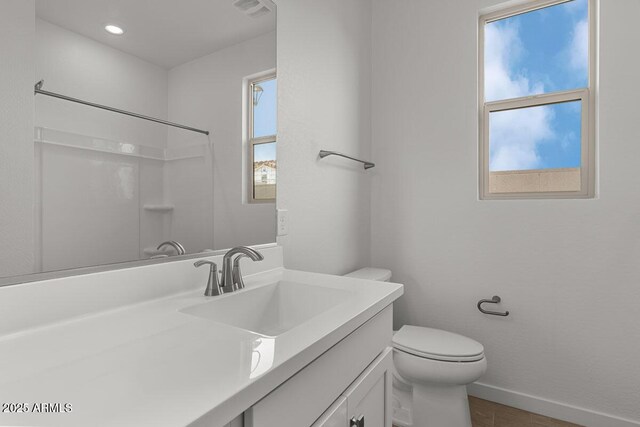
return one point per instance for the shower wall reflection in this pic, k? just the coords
(102, 202)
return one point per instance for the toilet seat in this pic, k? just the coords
(437, 344)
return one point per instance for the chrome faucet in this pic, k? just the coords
(231, 274)
(177, 246)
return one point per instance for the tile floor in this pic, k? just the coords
(489, 414)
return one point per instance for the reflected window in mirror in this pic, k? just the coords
(262, 130)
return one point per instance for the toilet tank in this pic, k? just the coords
(370, 273)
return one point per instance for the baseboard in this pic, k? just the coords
(549, 408)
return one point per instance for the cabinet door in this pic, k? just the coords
(369, 397)
(238, 422)
(335, 416)
(303, 398)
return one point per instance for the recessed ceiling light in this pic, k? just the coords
(114, 29)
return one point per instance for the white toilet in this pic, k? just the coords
(432, 369)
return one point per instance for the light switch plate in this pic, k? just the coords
(282, 218)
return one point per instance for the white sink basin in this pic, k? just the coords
(271, 309)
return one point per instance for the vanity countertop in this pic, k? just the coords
(150, 364)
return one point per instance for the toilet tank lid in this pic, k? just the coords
(370, 273)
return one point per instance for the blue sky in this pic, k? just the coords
(265, 120)
(537, 52)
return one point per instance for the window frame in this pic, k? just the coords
(250, 82)
(587, 97)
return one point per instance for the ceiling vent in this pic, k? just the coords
(255, 8)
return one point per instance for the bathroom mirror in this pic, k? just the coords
(153, 122)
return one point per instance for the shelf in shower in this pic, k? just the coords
(159, 208)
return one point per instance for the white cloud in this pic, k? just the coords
(503, 47)
(568, 140)
(514, 135)
(575, 6)
(579, 47)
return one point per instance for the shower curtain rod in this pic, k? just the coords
(38, 90)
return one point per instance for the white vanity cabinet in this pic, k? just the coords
(367, 402)
(369, 397)
(335, 416)
(347, 386)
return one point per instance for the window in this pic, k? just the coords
(536, 100)
(261, 129)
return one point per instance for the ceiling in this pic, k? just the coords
(164, 32)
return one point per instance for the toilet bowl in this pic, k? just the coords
(431, 370)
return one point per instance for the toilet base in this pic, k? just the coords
(440, 406)
(402, 404)
(438, 388)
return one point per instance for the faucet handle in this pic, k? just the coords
(213, 286)
(205, 262)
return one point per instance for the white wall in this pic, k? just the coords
(80, 67)
(567, 270)
(324, 63)
(207, 93)
(17, 41)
